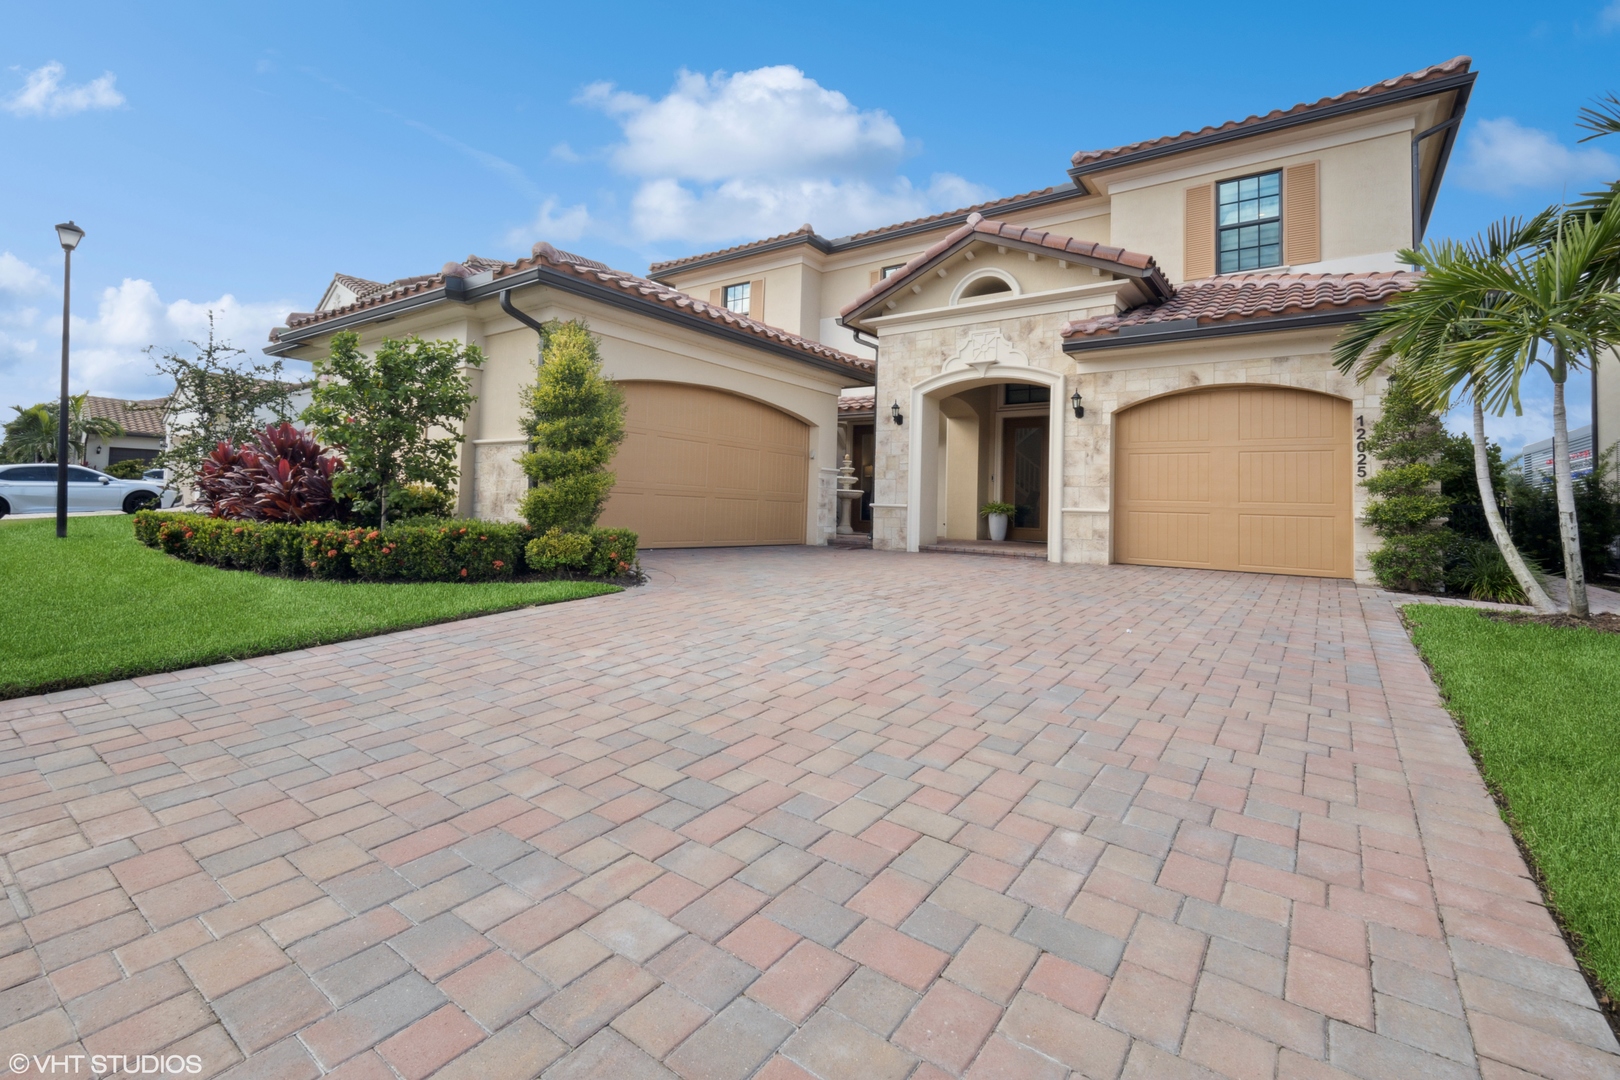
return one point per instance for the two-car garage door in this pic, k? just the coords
(703, 468)
(1236, 478)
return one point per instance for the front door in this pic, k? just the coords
(1023, 476)
(864, 438)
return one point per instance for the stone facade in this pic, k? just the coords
(500, 483)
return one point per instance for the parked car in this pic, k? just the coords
(31, 489)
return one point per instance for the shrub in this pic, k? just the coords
(603, 553)
(1408, 509)
(409, 501)
(129, 469)
(575, 422)
(439, 551)
(1480, 572)
(286, 476)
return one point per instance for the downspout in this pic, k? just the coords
(1419, 221)
(522, 317)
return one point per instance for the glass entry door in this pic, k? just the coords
(1023, 476)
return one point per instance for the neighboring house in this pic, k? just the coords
(1535, 461)
(732, 424)
(142, 422)
(1185, 291)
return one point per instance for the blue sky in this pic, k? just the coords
(232, 157)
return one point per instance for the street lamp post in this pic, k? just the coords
(70, 235)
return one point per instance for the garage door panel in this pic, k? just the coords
(1179, 477)
(700, 467)
(1163, 538)
(1287, 543)
(1236, 478)
(1287, 476)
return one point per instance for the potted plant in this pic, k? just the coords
(998, 513)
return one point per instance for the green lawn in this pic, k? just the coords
(100, 606)
(1541, 707)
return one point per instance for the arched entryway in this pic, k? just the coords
(1248, 477)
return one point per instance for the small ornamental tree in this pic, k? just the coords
(575, 424)
(396, 415)
(1408, 509)
(218, 398)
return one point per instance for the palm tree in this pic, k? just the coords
(31, 436)
(1418, 329)
(1558, 294)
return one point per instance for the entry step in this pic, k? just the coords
(1017, 549)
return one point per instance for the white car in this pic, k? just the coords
(31, 489)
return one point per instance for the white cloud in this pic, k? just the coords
(43, 94)
(108, 355)
(565, 224)
(1609, 19)
(1502, 156)
(19, 277)
(760, 152)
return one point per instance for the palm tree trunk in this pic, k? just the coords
(1564, 486)
(1534, 593)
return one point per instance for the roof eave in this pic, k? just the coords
(1463, 81)
(290, 340)
(1271, 324)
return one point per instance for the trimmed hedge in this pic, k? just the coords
(419, 551)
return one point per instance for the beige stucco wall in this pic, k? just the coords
(1607, 411)
(633, 347)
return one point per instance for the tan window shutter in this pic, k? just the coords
(877, 276)
(756, 299)
(1302, 215)
(717, 297)
(1200, 241)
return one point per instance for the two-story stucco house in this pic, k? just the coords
(1137, 358)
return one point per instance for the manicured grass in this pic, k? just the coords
(100, 606)
(1541, 707)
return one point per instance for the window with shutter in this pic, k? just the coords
(1302, 215)
(736, 298)
(1248, 223)
(1199, 251)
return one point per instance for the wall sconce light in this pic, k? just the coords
(1079, 409)
(894, 411)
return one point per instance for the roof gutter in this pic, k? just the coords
(1191, 330)
(468, 293)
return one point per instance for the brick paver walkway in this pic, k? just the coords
(842, 814)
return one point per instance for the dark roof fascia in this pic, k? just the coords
(1144, 277)
(1274, 324)
(1463, 81)
(564, 282)
(844, 243)
(1447, 141)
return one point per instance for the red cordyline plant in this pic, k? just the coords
(287, 476)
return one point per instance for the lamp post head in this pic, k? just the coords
(1079, 410)
(70, 235)
(894, 411)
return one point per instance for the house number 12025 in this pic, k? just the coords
(1361, 446)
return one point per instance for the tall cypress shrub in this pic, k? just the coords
(1408, 510)
(575, 423)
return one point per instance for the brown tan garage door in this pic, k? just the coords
(1236, 478)
(704, 468)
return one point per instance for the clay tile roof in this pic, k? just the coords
(857, 403)
(600, 276)
(944, 214)
(805, 232)
(358, 285)
(1236, 297)
(983, 228)
(1455, 65)
(143, 417)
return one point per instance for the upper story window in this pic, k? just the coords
(1249, 216)
(737, 298)
(890, 271)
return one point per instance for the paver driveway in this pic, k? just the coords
(789, 812)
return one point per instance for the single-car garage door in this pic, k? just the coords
(1236, 478)
(704, 468)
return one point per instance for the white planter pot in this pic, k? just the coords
(998, 526)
